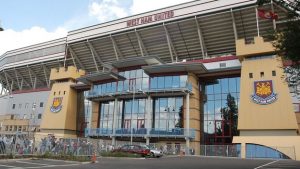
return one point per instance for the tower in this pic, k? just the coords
(60, 113)
(266, 115)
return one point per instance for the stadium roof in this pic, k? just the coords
(190, 31)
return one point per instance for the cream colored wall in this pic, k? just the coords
(277, 115)
(298, 121)
(62, 123)
(272, 125)
(66, 117)
(257, 48)
(194, 110)
(95, 114)
(65, 73)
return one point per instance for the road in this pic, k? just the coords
(188, 162)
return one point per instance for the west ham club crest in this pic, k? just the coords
(56, 105)
(263, 92)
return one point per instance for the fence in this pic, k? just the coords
(221, 150)
(24, 145)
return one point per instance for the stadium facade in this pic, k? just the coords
(198, 73)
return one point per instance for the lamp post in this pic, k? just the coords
(33, 124)
(131, 129)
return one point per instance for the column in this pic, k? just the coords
(115, 118)
(187, 125)
(148, 120)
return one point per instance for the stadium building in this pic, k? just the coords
(198, 73)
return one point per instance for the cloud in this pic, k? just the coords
(98, 11)
(10, 39)
(107, 10)
(140, 6)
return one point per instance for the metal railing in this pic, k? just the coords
(233, 150)
(96, 93)
(141, 132)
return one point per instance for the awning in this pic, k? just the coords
(99, 76)
(137, 61)
(81, 86)
(196, 68)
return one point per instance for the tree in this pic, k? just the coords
(287, 41)
(229, 117)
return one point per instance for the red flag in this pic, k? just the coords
(267, 14)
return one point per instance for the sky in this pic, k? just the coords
(28, 22)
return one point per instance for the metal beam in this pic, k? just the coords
(73, 55)
(170, 45)
(233, 25)
(22, 79)
(8, 86)
(33, 81)
(18, 82)
(45, 69)
(116, 49)
(141, 44)
(93, 54)
(201, 40)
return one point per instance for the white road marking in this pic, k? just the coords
(30, 163)
(266, 164)
(49, 166)
(10, 166)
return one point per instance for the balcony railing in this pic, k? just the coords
(142, 132)
(96, 93)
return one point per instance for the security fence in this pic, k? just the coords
(221, 150)
(23, 145)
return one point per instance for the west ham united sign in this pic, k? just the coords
(263, 92)
(56, 105)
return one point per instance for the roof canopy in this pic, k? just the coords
(137, 61)
(196, 68)
(100, 76)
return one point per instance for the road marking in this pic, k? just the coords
(30, 163)
(266, 164)
(10, 166)
(49, 166)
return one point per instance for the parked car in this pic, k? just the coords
(134, 149)
(156, 153)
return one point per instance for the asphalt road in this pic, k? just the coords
(192, 162)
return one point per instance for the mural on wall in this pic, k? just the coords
(293, 79)
(56, 104)
(263, 92)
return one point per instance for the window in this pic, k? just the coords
(168, 113)
(54, 93)
(14, 106)
(262, 74)
(20, 106)
(273, 73)
(64, 92)
(219, 120)
(39, 116)
(26, 105)
(59, 93)
(41, 104)
(222, 65)
(251, 75)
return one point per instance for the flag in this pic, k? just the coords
(267, 14)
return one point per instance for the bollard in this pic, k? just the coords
(94, 158)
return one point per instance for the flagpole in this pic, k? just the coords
(274, 21)
(257, 24)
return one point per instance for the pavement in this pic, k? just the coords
(175, 162)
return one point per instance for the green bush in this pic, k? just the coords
(120, 154)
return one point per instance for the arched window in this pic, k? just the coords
(260, 151)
